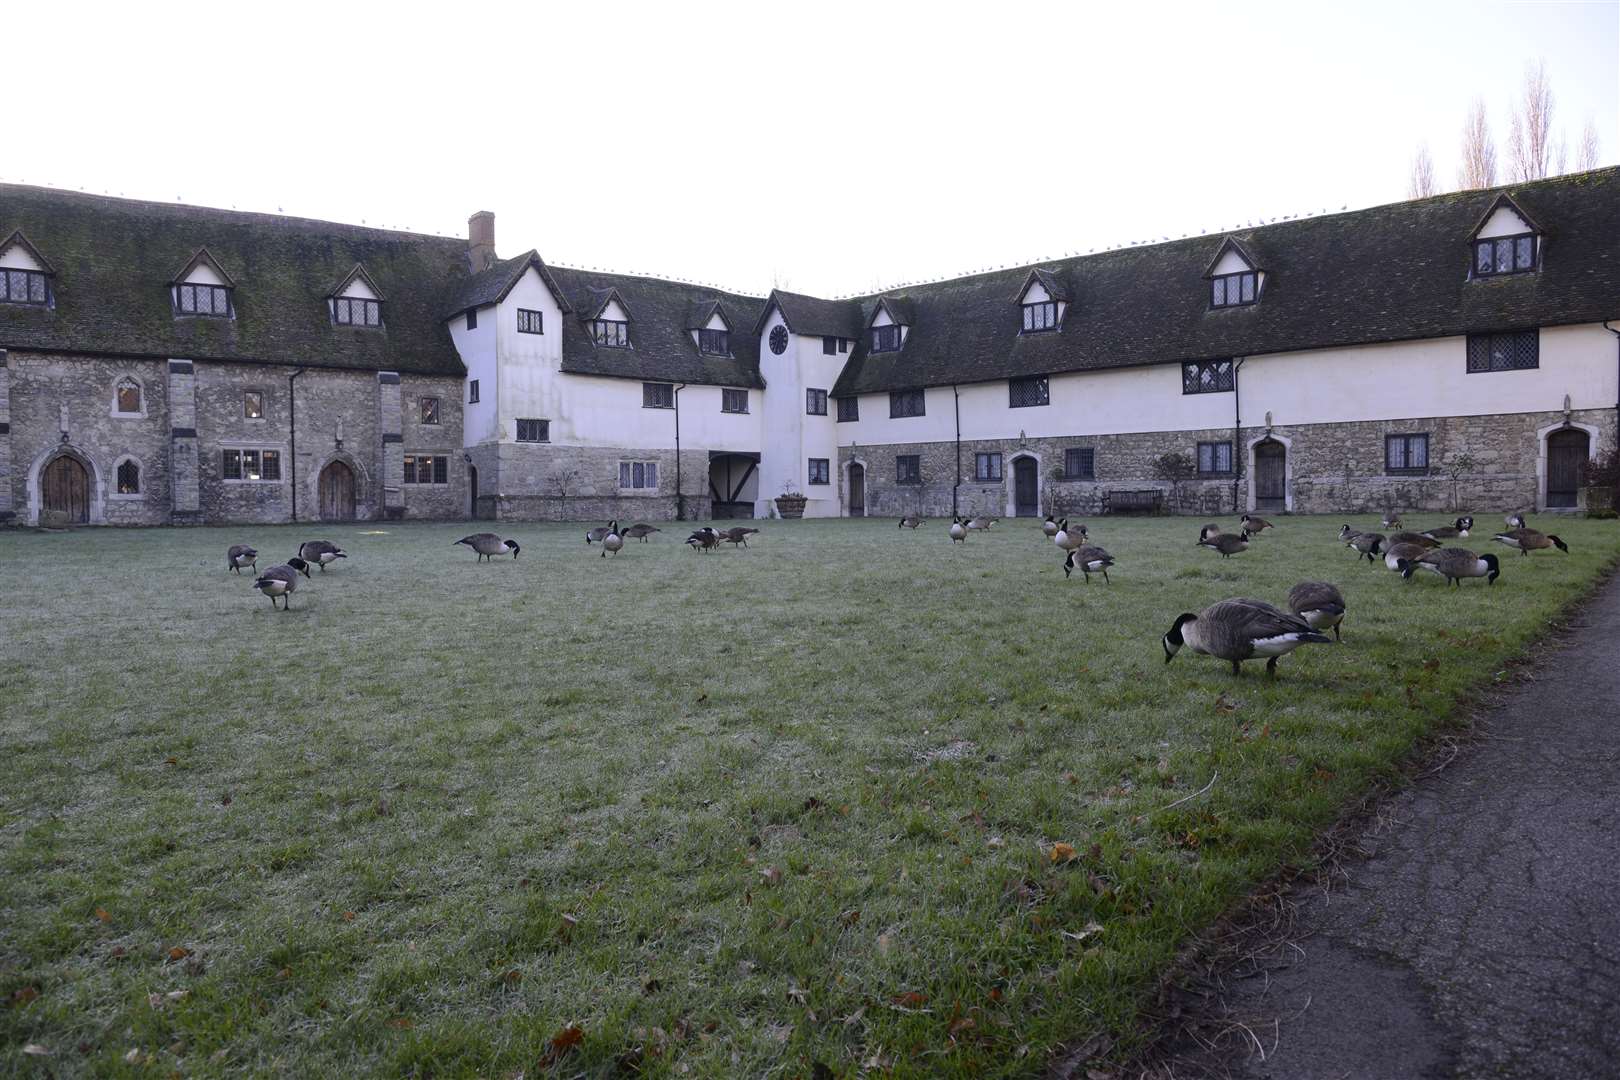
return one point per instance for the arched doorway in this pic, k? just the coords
(857, 489)
(1567, 452)
(337, 492)
(472, 489)
(1270, 475)
(1026, 487)
(65, 487)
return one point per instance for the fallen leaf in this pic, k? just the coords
(134, 1055)
(562, 1043)
(566, 927)
(117, 951)
(855, 1017)
(651, 986)
(225, 799)
(1063, 853)
(850, 918)
(911, 999)
(35, 1050)
(24, 995)
(813, 803)
(1089, 930)
(1432, 664)
(178, 953)
(171, 761)
(284, 973)
(177, 995)
(348, 916)
(961, 1023)
(103, 914)
(403, 1023)
(513, 977)
(885, 943)
(1225, 704)
(1071, 778)
(772, 875)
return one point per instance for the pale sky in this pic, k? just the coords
(824, 147)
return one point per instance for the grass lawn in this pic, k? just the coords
(751, 813)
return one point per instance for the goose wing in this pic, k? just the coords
(1254, 620)
(477, 539)
(1315, 596)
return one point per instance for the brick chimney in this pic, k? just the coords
(481, 240)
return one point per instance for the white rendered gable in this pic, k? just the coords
(1231, 263)
(1036, 293)
(16, 257)
(1504, 222)
(356, 289)
(882, 318)
(613, 312)
(203, 274)
(716, 323)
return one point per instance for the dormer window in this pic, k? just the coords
(1504, 255)
(886, 338)
(354, 311)
(610, 333)
(714, 342)
(209, 300)
(1040, 316)
(24, 273)
(1233, 290)
(1506, 241)
(22, 287)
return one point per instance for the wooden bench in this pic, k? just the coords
(1133, 501)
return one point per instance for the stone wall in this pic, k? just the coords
(545, 482)
(193, 412)
(1331, 468)
(8, 504)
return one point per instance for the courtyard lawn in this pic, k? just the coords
(854, 797)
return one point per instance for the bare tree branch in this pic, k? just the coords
(1587, 156)
(1420, 185)
(1530, 142)
(1478, 168)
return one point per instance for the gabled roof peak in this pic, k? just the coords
(600, 299)
(1049, 280)
(202, 256)
(17, 238)
(1230, 243)
(359, 272)
(1503, 200)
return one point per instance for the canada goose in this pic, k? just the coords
(703, 539)
(981, 523)
(1397, 554)
(281, 581)
(488, 545)
(1240, 629)
(1088, 560)
(958, 531)
(1528, 540)
(1226, 543)
(1454, 564)
(1347, 534)
(1518, 520)
(639, 531)
(1049, 527)
(1368, 544)
(737, 535)
(239, 556)
(320, 552)
(1420, 539)
(1391, 520)
(1455, 531)
(596, 535)
(1069, 539)
(1318, 603)
(611, 540)
(1208, 531)
(910, 521)
(1252, 524)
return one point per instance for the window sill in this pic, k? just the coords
(908, 483)
(1407, 472)
(116, 415)
(1217, 475)
(1067, 477)
(639, 492)
(139, 496)
(734, 412)
(671, 407)
(1043, 330)
(1196, 393)
(533, 442)
(230, 480)
(1031, 405)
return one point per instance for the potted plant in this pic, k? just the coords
(790, 504)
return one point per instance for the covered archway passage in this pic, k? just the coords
(733, 483)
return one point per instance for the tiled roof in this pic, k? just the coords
(815, 317)
(115, 258)
(1388, 273)
(490, 285)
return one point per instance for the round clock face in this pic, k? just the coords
(779, 340)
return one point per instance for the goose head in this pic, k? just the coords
(1346, 532)
(299, 565)
(512, 546)
(1559, 544)
(1173, 641)
(1494, 566)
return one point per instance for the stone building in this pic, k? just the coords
(165, 363)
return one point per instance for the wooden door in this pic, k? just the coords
(857, 490)
(1270, 475)
(1567, 452)
(66, 487)
(337, 492)
(1026, 488)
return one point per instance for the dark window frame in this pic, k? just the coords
(266, 462)
(1086, 456)
(988, 467)
(472, 318)
(1215, 448)
(343, 309)
(1041, 317)
(824, 472)
(428, 410)
(642, 474)
(843, 344)
(888, 338)
(1192, 377)
(1220, 286)
(437, 472)
(900, 404)
(849, 410)
(1492, 244)
(732, 400)
(215, 293)
(1037, 391)
(30, 287)
(813, 398)
(248, 405)
(829, 346)
(1519, 345)
(714, 342)
(540, 430)
(123, 486)
(908, 469)
(472, 391)
(1406, 440)
(610, 333)
(530, 321)
(653, 395)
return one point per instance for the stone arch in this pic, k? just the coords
(366, 505)
(116, 478)
(1251, 498)
(119, 382)
(1545, 433)
(1009, 480)
(97, 492)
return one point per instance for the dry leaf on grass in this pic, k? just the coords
(24, 995)
(562, 1044)
(178, 953)
(1063, 853)
(35, 1050)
